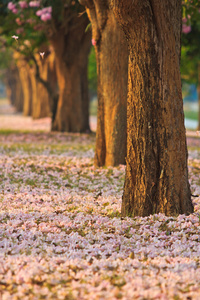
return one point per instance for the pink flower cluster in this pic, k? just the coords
(23, 4)
(185, 27)
(45, 13)
(34, 3)
(12, 7)
(94, 42)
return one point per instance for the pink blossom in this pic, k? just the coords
(186, 28)
(45, 17)
(23, 4)
(39, 13)
(94, 42)
(14, 10)
(11, 6)
(34, 3)
(47, 9)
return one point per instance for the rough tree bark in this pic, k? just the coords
(156, 174)
(112, 70)
(72, 45)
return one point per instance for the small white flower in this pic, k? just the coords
(15, 37)
(42, 54)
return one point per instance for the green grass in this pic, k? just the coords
(93, 108)
(190, 114)
(12, 131)
(39, 149)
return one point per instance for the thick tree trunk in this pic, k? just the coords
(40, 97)
(72, 50)
(156, 174)
(112, 68)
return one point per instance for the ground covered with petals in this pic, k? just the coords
(61, 234)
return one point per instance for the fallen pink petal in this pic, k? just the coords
(58, 239)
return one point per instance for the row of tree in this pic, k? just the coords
(138, 46)
(62, 69)
(69, 41)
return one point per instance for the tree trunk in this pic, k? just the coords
(198, 91)
(11, 84)
(40, 102)
(19, 98)
(24, 75)
(14, 88)
(52, 79)
(112, 70)
(156, 174)
(72, 49)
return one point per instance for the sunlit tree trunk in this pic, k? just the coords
(112, 70)
(24, 76)
(156, 174)
(40, 96)
(72, 48)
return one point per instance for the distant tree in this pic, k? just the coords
(190, 58)
(60, 23)
(71, 44)
(9, 75)
(23, 32)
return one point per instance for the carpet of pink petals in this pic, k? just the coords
(61, 235)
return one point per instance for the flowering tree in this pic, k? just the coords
(190, 12)
(63, 27)
(22, 31)
(71, 44)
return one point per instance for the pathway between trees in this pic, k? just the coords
(10, 119)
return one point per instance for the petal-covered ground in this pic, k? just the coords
(61, 235)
